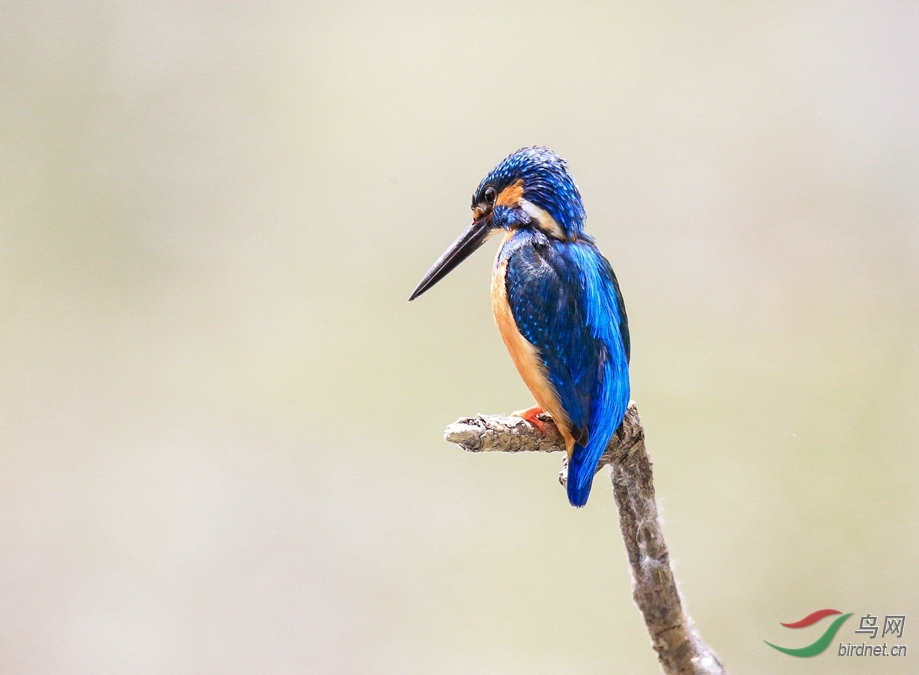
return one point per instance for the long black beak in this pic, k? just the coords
(464, 246)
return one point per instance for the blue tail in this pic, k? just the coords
(608, 410)
(581, 469)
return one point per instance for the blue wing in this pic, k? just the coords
(566, 302)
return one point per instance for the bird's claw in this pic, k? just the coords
(531, 416)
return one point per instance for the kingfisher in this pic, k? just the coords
(556, 301)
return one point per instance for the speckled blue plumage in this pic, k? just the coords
(566, 302)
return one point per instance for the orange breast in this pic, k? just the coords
(525, 356)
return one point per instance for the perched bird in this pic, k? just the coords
(556, 301)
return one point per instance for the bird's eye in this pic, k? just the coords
(490, 196)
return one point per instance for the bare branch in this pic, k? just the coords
(679, 647)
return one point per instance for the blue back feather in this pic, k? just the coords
(607, 321)
(565, 301)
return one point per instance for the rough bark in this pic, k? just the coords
(680, 649)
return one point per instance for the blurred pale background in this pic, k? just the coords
(220, 423)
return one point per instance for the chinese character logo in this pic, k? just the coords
(821, 643)
(893, 625)
(869, 625)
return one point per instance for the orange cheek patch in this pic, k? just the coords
(511, 195)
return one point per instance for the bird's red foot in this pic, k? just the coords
(530, 416)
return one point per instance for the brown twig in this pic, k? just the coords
(679, 647)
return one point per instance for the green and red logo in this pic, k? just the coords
(820, 643)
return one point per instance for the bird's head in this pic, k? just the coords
(529, 188)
